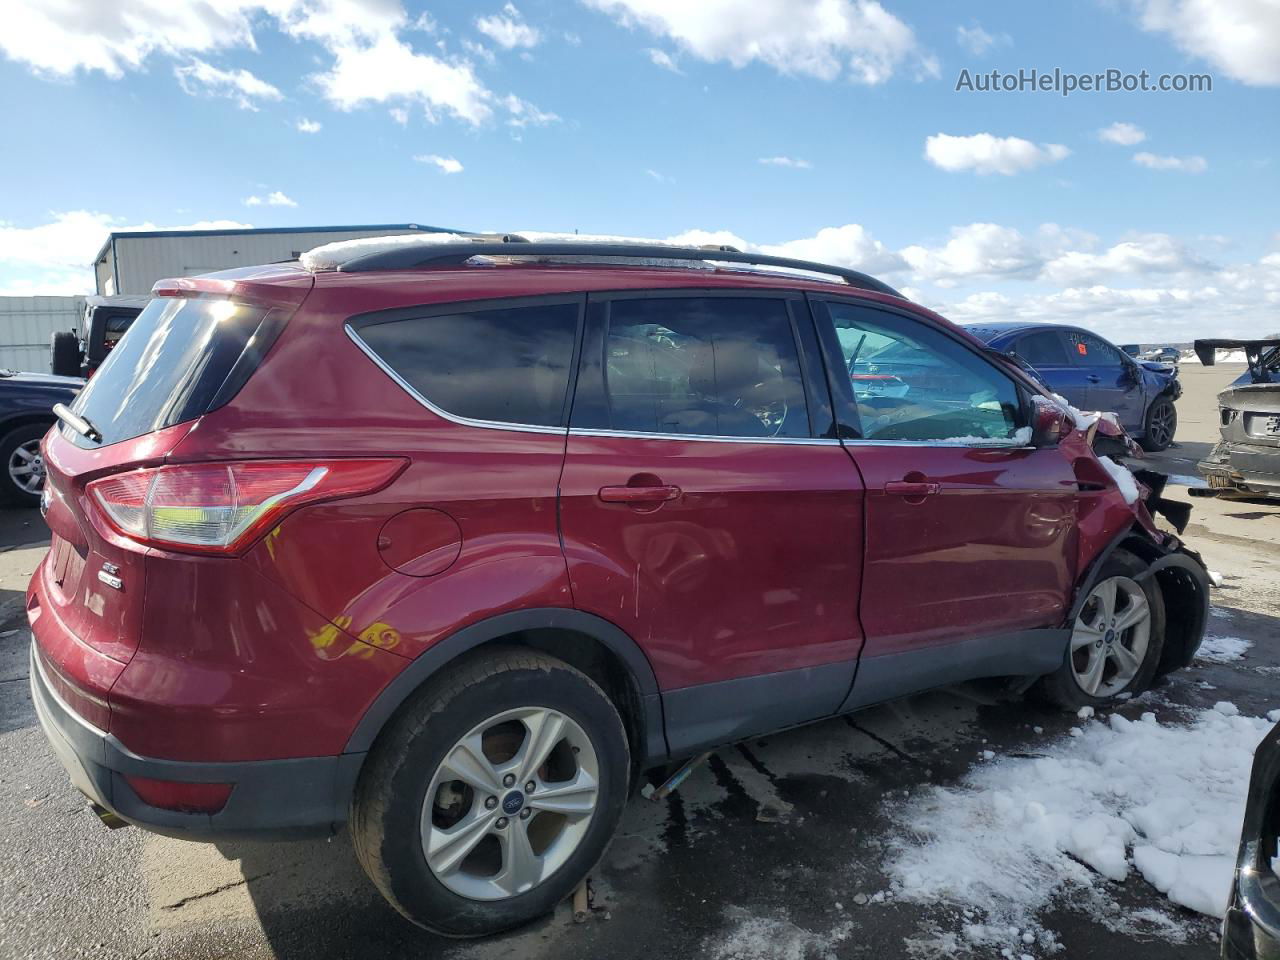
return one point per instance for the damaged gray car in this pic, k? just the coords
(1246, 461)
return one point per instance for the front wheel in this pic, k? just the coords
(1160, 426)
(493, 794)
(1116, 638)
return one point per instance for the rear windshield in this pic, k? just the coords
(169, 367)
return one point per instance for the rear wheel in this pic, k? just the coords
(493, 794)
(1160, 426)
(1116, 639)
(22, 476)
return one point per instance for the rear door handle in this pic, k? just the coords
(912, 488)
(1093, 378)
(658, 494)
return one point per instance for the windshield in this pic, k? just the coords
(169, 367)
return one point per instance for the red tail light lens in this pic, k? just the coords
(223, 507)
(183, 797)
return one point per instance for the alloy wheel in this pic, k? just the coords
(510, 803)
(1161, 427)
(1110, 636)
(26, 467)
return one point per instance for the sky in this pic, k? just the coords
(859, 133)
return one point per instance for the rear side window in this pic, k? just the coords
(708, 366)
(1042, 349)
(171, 366)
(504, 365)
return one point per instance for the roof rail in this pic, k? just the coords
(410, 255)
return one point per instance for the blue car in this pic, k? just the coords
(1094, 375)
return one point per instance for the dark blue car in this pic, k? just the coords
(1094, 375)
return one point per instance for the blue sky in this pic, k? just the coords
(654, 118)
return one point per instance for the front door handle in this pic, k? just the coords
(912, 488)
(656, 494)
(1093, 378)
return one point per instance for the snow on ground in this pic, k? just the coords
(1224, 356)
(1118, 800)
(1222, 649)
(773, 938)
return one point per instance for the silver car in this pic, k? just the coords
(1246, 460)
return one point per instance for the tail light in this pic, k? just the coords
(221, 508)
(183, 797)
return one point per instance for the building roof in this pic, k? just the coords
(403, 227)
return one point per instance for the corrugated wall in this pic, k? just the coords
(28, 323)
(144, 260)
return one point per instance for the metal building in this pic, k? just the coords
(28, 323)
(133, 262)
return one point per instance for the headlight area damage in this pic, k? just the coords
(1117, 510)
(1246, 461)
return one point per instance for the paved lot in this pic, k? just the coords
(774, 849)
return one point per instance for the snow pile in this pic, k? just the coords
(1020, 832)
(1123, 478)
(328, 256)
(1223, 649)
(1228, 356)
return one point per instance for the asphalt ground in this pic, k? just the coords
(775, 848)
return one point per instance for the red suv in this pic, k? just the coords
(454, 541)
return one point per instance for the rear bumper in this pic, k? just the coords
(270, 798)
(1251, 928)
(1243, 468)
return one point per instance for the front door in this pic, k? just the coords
(702, 513)
(970, 531)
(1113, 385)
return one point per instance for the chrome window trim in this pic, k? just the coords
(439, 411)
(999, 445)
(637, 435)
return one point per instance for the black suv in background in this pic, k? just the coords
(26, 414)
(104, 322)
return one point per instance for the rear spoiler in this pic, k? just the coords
(1252, 348)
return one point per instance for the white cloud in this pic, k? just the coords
(848, 246)
(400, 115)
(371, 62)
(446, 164)
(54, 258)
(977, 41)
(660, 177)
(819, 38)
(1156, 161)
(274, 199)
(1239, 37)
(983, 153)
(522, 113)
(794, 162)
(508, 29)
(661, 58)
(198, 78)
(976, 250)
(1150, 253)
(1124, 134)
(308, 126)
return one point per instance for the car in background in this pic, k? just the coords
(1246, 461)
(1163, 355)
(26, 414)
(105, 321)
(1094, 375)
(1251, 928)
(1132, 349)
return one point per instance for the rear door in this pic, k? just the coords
(1113, 387)
(708, 510)
(970, 532)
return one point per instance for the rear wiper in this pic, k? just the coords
(77, 423)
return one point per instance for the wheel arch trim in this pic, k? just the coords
(437, 657)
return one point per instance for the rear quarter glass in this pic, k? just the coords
(181, 357)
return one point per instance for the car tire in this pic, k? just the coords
(1130, 652)
(402, 807)
(65, 356)
(22, 466)
(1160, 425)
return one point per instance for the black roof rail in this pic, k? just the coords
(410, 255)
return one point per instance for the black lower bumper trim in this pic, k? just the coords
(270, 799)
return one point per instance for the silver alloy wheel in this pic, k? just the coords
(510, 803)
(1110, 636)
(26, 467)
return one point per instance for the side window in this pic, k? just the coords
(911, 382)
(1042, 349)
(710, 366)
(509, 365)
(1090, 351)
